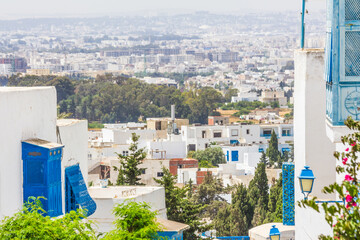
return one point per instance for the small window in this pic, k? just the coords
(143, 171)
(180, 166)
(267, 132)
(286, 132)
(217, 134)
(234, 132)
(247, 131)
(191, 147)
(158, 125)
(160, 174)
(125, 153)
(203, 134)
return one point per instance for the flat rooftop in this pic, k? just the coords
(113, 192)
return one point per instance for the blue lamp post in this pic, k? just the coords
(274, 233)
(306, 179)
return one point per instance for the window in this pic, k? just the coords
(158, 125)
(267, 132)
(104, 172)
(234, 132)
(217, 134)
(180, 166)
(203, 134)
(286, 132)
(247, 131)
(160, 174)
(191, 147)
(125, 153)
(143, 171)
(89, 156)
(206, 145)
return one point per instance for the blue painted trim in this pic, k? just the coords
(303, 25)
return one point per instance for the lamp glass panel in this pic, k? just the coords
(275, 237)
(306, 184)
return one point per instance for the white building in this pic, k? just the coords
(40, 151)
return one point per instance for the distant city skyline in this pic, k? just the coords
(87, 8)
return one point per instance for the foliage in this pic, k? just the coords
(344, 218)
(235, 219)
(110, 99)
(95, 125)
(258, 187)
(209, 190)
(134, 221)
(179, 207)
(273, 152)
(274, 213)
(211, 156)
(30, 223)
(244, 105)
(129, 170)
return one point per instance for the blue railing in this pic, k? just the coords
(265, 135)
(287, 135)
(235, 238)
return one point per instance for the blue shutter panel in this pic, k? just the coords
(76, 191)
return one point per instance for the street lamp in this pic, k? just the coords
(274, 233)
(306, 179)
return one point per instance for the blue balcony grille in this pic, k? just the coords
(352, 53)
(77, 194)
(352, 10)
(288, 194)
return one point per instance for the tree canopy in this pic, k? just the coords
(110, 99)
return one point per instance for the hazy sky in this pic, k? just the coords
(41, 8)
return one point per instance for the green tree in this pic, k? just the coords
(263, 159)
(134, 221)
(129, 170)
(179, 207)
(273, 152)
(212, 156)
(209, 190)
(259, 188)
(30, 223)
(275, 205)
(235, 219)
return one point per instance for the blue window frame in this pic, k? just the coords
(261, 150)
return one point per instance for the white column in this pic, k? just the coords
(311, 144)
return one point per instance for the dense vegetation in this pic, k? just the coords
(208, 158)
(133, 220)
(109, 99)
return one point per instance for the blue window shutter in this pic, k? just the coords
(77, 193)
(234, 156)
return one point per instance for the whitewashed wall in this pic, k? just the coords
(24, 113)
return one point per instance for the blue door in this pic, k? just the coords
(234, 156)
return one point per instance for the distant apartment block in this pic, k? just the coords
(17, 64)
(273, 96)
